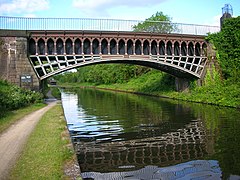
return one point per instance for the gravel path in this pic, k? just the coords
(13, 139)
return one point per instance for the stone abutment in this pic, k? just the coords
(14, 64)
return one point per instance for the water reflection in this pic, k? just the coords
(120, 132)
(198, 169)
(169, 148)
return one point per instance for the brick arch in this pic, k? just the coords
(130, 47)
(176, 50)
(59, 46)
(146, 47)
(78, 46)
(138, 47)
(169, 49)
(32, 46)
(87, 46)
(104, 46)
(154, 47)
(113, 46)
(50, 46)
(69, 37)
(95, 46)
(184, 48)
(69, 46)
(121, 46)
(190, 48)
(162, 49)
(41, 46)
(197, 49)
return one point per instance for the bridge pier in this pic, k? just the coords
(182, 84)
(14, 64)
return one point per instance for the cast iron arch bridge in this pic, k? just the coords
(53, 52)
(60, 44)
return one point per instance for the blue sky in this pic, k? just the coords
(183, 11)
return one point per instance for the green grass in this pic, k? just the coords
(153, 82)
(10, 117)
(225, 95)
(46, 150)
(157, 84)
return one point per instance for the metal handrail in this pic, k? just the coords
(23, 23)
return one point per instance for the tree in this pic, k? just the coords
(158, 22)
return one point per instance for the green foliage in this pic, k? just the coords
(56, 92)
(212, 78)
(227, 43)
(158, 22)
(153, 82)
(211, 93)
(12, 97)
(103, 74)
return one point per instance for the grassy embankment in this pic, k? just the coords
(47, 149)
(155, 83)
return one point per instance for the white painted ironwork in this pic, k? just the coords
(46, 66)
(22, 23)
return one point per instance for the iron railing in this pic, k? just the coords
(22, 23)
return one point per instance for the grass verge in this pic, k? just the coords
(11, 117)
(154, 83)
(46, 150)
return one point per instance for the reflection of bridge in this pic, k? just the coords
(175, 147)
(51, 50)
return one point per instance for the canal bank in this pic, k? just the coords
(48, 152)
(35, 144)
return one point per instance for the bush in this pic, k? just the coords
(12, 97)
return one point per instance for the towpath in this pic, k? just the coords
(15, 137)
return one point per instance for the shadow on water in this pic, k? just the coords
(119, 132)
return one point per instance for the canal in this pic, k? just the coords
(114, 133)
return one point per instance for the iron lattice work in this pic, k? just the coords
(52, 52)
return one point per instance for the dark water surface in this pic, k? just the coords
(117, 132)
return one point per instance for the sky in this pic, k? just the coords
(204, 12)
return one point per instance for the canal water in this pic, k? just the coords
(117, 133)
